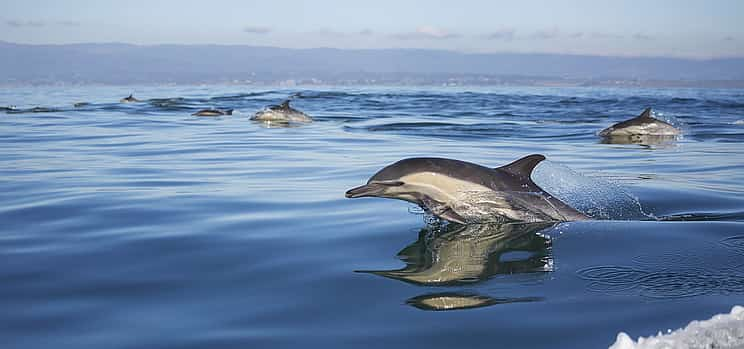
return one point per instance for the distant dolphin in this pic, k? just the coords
(80, 104)
(14, 110)
(129, 99)
(464, 192)
(642, 125)
(42, 110)
(281, 113)
(213, 112)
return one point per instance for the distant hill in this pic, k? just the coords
(125, 63)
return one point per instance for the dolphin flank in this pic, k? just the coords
(282, 113)
(463, 192)
(641, 125)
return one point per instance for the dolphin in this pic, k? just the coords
(641, 125)
(81, 104)
(42, 110)
(129, 99)
(213, 112)
(281, 113)
(31, 110)
(463, 192)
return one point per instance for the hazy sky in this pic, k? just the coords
(631, 28)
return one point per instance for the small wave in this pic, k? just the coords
(398, 126)
(725, 104)
(660, 284)
(241, 96)
(734, 242)
(674, 274)
(702, 216)
(683, 100)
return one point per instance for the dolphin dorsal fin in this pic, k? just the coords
(285, 104)
(524, 166)
(646, 113)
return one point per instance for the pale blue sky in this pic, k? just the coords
(682, 28)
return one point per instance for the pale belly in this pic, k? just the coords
(278, 116)
(479, 204)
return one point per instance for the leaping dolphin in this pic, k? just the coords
(463, 192)
(641, 125)
(281, 113)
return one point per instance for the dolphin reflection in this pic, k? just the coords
(466, 254)
(456, 300)
(463, 254)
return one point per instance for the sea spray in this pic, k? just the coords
(597, 198)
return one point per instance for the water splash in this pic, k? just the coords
(597, 198)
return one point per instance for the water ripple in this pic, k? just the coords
(674, 274)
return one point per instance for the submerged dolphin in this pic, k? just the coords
(129, 99)
(281, 113)
(15, 110)
(213, 112)
(464, 192)
(641, 125)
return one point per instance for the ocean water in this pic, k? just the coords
(140, 226)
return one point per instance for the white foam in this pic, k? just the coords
(720, 331)
(739, 122)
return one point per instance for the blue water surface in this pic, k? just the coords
(140, 226)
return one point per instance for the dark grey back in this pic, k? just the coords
(495, 178)
(644, 118)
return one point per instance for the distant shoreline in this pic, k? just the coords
(124, 64)
(314, 83)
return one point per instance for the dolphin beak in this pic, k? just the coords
(371, 189)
